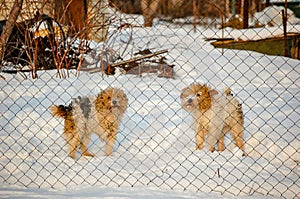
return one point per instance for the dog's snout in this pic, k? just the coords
(114, 102)
(190, 100)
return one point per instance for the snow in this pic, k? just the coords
(273, 14)
(155, 155)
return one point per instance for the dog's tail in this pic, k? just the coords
(60, 111)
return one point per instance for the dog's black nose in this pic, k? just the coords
(114, 102)
(190, 100)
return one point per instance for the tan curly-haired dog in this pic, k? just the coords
(215, 115)
(101, 115)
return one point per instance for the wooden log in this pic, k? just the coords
(137, 58)
(110, 68)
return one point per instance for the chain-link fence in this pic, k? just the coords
(156, 137)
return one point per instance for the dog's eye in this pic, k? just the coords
(199, 94)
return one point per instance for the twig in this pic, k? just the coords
(138, 58)
(2, 77)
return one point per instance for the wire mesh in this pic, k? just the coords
(155, 143)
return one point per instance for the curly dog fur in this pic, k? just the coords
(215, 115)
(99, 114)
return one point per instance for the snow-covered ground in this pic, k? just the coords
(155, 155)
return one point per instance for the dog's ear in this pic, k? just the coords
(205, 99)
(227, 91)
(183, 92)
(213, 92)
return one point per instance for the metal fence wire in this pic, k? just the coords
(156, 143)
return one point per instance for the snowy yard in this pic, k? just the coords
(155, 154)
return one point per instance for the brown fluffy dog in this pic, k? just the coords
(215, 115)
(101, 115)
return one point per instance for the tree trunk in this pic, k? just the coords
(149, 8)
(238, 7)
(246, 14)
(227, 8)
(10, 23)
(74, 14)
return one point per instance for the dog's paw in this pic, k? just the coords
(199, 147)
(72, 155)
(88, 154)
(212, 149)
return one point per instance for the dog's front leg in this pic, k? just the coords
(84, 145)
(201, 131)
(110, 142)
(221, 145)
(73, 141)
(215, 132)
(102, 133)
